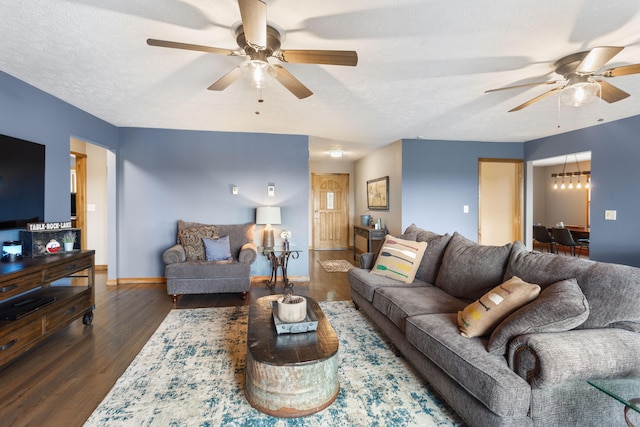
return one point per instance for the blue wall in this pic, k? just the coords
(33, 115)
(615, 153)
(167, 175)
(440, 177)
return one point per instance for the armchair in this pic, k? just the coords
(189, 269)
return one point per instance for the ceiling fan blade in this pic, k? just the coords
(596, 58)
(329, 57)
(286, 79)
(223, 82)
(536, 99)
(622, 71)
(187, 46)
(611, 93)
(254, 22)
(552, 82)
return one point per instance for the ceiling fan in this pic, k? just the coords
(260, 41)
(579, 85)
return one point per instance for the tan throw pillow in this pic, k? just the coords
(483, 315)
(191, 240)
(399, 259)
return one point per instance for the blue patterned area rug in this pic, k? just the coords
(191, 373)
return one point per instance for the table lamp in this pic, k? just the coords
(268, 215)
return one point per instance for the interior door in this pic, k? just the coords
(501, 195)
(330, 211)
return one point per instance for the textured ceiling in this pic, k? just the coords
(422, 72)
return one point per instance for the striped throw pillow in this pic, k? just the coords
(399, 258)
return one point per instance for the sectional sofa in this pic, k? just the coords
(580, 320)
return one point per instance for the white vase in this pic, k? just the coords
(292, 312)
(68, 246)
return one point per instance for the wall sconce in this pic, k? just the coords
(268, 215)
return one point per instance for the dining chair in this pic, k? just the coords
(563, 237)
(541, 235)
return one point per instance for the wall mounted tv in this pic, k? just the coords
(22, 166)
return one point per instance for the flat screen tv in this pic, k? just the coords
(22, 166)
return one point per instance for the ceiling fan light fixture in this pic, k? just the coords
(579, 93)
(259, 74)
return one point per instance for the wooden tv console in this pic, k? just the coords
(29, 281)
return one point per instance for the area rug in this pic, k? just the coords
(335, 265)
(191, 373)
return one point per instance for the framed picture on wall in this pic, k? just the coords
(378, 194)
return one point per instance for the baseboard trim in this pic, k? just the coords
(156, 281)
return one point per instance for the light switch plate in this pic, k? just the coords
(610, 215)
(234, 190)
(271, 190)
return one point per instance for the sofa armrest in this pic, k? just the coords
(248, 253)
(174, 254)
(551, 358)
(367, 260)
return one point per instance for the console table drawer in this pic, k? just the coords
(15, 340)
(64, 270)
(67, 312)
(20, 284)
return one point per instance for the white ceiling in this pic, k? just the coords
(422, 72)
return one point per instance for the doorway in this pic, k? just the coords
(79, 194)
(330, 211)
(500, 217)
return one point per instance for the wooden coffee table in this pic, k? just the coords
(290, 375)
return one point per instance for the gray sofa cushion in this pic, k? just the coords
(202, 270)
(399, 303)
(484, 375)
(613, 290)
(365, 283)
(560, 307)
(432, 258)
(469, 270)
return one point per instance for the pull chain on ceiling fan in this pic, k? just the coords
(260, 41)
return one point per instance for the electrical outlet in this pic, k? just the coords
(610, 215)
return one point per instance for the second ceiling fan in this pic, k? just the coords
(579, 85)
(260, 41)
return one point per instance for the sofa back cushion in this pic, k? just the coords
(469, 270)
(432, 258)
(612, 290)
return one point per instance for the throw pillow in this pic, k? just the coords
(217, 249)
(191, 240)
(469, 270)
(399, 259)
(482, 316)
(560, 307)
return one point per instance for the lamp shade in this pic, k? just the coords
(268, 215)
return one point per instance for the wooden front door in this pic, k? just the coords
(330, 211)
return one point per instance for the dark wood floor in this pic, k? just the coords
(61, 381)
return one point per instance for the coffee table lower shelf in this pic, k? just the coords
(290, 375)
